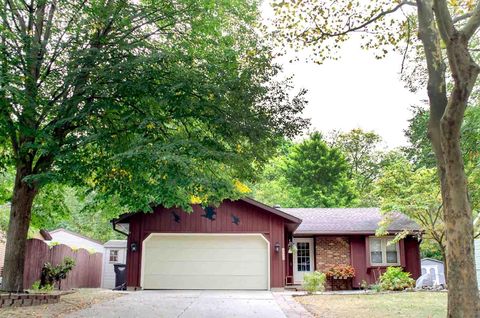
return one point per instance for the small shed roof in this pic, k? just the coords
(76, 234)
(427, 259)
(116, 243)
(347, 220)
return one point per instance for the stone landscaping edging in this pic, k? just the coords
(23, 300)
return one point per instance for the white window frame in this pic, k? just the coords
(384, 241)
(110, 256)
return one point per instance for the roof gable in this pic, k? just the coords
(289, 217)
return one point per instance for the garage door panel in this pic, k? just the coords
(190, 254)
(216, 242)
(207, 268)
(199, 282)
(205, 262)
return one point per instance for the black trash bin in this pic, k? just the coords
(120, 271)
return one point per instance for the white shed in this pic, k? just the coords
(477, 260)
(75, 240)
(435, 268)
(115, 253)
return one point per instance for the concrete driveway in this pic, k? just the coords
(195, 303)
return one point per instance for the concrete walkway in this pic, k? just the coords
(197, 303)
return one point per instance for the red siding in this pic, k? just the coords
(409, 259)
(358, 254)
(412, 255)
(252, 220)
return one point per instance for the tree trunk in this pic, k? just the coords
(445, 265)
(461, 273)
(20, 213)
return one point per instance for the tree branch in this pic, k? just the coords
(473, 22)
(444, 20)
(358, 27)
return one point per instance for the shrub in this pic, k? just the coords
(314, 282)
(36, 288)
(396, 279)
(54, 274)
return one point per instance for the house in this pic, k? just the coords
(332, 236)
(115, 253)
(435, 268)
(244, 244)
(74, 240)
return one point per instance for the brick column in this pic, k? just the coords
(332, 250)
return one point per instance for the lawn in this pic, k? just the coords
(81, 299)
(408, 304)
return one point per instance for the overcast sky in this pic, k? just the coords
(355, 91)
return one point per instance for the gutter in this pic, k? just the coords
(114, 223)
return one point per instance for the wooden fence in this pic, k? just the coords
(87, 271)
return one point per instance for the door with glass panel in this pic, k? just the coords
(302, 259)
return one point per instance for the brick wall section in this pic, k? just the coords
(22, 300)
(332, 250)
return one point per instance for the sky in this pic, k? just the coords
(355, 91)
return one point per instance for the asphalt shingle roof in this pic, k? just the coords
(346, 220)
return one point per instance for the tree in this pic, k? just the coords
(272, 186)
(445, 34)
(361, 149)
(147, 102)
(306, 174)
(415, 193)
(420, 151)
(320, 173)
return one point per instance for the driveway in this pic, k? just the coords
(195, 303)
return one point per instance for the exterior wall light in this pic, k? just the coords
(133, 247)
(277, 247)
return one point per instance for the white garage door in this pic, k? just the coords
(190, 261)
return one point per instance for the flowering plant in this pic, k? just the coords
(341, 271)
(292, 247)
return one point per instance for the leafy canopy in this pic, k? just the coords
(148, 101)
(307, 174)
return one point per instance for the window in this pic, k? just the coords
(383, 252)
(303, 256)
(113, 255)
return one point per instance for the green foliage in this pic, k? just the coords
(395, 278)
(419, 150)
(142, 101)
(314, 282)
(6, 186)
(365, 158)
(416, 194)
(81, 212)
(36, 288)
(320, 173)
(431, 249)
(54, 274)
(306, 174)
(322, 26)
(376, 288)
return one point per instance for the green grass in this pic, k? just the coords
(398, 305)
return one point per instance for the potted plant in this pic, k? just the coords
(292, 247)
(340, 271)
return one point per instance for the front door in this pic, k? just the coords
(302, 258)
